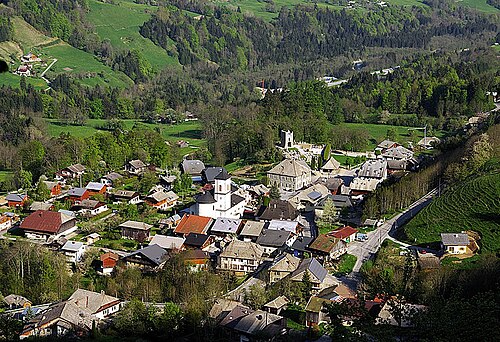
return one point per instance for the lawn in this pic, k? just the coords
(120, 22)
(345, 265)
(480, 5)
(11, 80)
(471, 205)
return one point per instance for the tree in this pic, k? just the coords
(148, 180)
(41, 192)
(391, 134)
(274, 193)
(306, 286)
(23, 179)
(329, 216)
(255, 296)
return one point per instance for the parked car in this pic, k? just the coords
(361, 237)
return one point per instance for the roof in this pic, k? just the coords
(302, 243)
(396, 164)
(205, 198)
(94, 235)
(192, 167)
(222, 306)
(234, 316)
(72, 246)
(193, 224)
(386, 144)
(279, 210)
(331, 164)
(125, 194)
(339, 201)
(16, 197)
(242, 250)
(76, 192)
(289, 226)
(50, 184)
(223, 175)
(277, 303)
(315, 304)
(211, 172)
(153, 253)
(14, 299)
(312, 194)
(398, 152)
(137, 164)
(285, 263)
(259, 189)
(109, 255)
(225, 225)
(273, 238)
(313, 266)
(455, 239)
(324, 243)
(291, 168)
(252, 228)
(67, 213)
(236, 199)
(76, 168)
(160, 196)
(112, 176)
(135, 225)
(45, 221)
(256, 322)
(385, 315)
(195, 254)
(364, 184)
(40, 206)
(95, 186)
(333, 184)
(91, 204)
(343, 232)
(167, 242)
(93, 301)
(373, 168)
(196, 240)
(429, 141)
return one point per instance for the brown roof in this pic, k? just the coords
(343, 232)
(324, 243)
(193, 224)
(110, 255)
(45, 221)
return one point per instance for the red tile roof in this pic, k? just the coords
(193, 224)
(43, 221)
(343, 232)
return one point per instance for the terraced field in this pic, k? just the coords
(472, 205)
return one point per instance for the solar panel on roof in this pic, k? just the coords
(314, 195)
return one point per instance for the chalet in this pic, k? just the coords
(99, 303)
(192, 167)
(74, 251)
(274, 240)
(363, 186)
(277, 305)
(306, 199)
(290, 175)
(278, 210)
(193, 224)
(167, 182)
(346, 234)
(330, 168)
(170, 223)
(30, 58)
(340, 202)
(92, 238)
(396, 166)
(283, 266)
(456, 243)
(328, 247)
(44, 224)
(314, 311)
(150, 258)
(373, 168)
(134, 230)
(221, 308)
(95, 188)
(167, 242)
(333, 184)
(71, 172)
(36, 205)
(196, 259)
(135, 167)
(251, 230)
(5, 222)
(385, 145)
(225, 226)
(318, 275)
(398, 153)
(198, 241)
(293, 227)
(24, 70)
(17, 200)
(77, 195)
(14, 301)
(54, 188)
(240, 257)
(130, 197)
(162, 200)
(108, 262)
(89, 207)
(110, 179)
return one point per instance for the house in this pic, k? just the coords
(162, 200)
(24, 70)
(333, 184)
(89, 207)
(54, 188)
(208, 174)
(198, 241)
(260, 323)
(251, 230)
(346, 234)
(170, 223)
(301, 245)
(40, 206)
(5, 222)
(134, 230)
(306, 199)
(396, 165)
(406, 313)
(110, 179)
(225, 226)
(130, 197)
(30, 58)
(277, 305)
(92, 238)
(76, 195)
(385, 145)
(99, 303)
(286, 138)
(196, 259)
(328, 247)
(398, 153)
(314, 311)
(135, 167)
(71, 172)
(429, 142)
(240, 257)
(192, 167)
(108, 262)
(290, 175)
(167, 182)
(221, 201)
(456, 243)
(373, 168)
(167, 242)
(193, 224)
(273, 240)
(74, 251)
(340, 202)
(14, 301)
(278, 210)
(293, 227)
(95, 188)
(16, 200)
(221, 308)
(282, 266)
(363, 186)
(258, 191)
(330, 168)
(150, 258)
(315, 271)
(43, 224)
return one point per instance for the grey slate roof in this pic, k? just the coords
(313, 266)
(154, 253)
(252, 228)
(223, 175)
(94, 186)
(291, 168)
(339, 201)
(279, 210)
(135, 225)
(256, 322)
(302, 243)
(192, 167)
(283, 225)
(373, 168)
(273, 238)
(205, 198)
(455, 239)
(137, 164)
(72, 246)
(236, 199)
(242, 250)
(76, 168)
(112, 176)
(15, 197)
(93, 301)
(40, 206)
(210, 173)
(226, 225)
(159, 196)
(77, 192)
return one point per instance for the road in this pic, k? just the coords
(50, 66)
(366, 250)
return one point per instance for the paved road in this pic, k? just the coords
(366, 250)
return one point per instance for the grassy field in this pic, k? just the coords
(480, 5)
(4, 175)
(189, 131)
(345, 265)
(471, 205)
(120, 22)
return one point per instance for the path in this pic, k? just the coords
(50, 65)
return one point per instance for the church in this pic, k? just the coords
(221, 201)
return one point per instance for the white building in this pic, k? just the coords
(74, 250)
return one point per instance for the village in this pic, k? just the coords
(301, 224)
